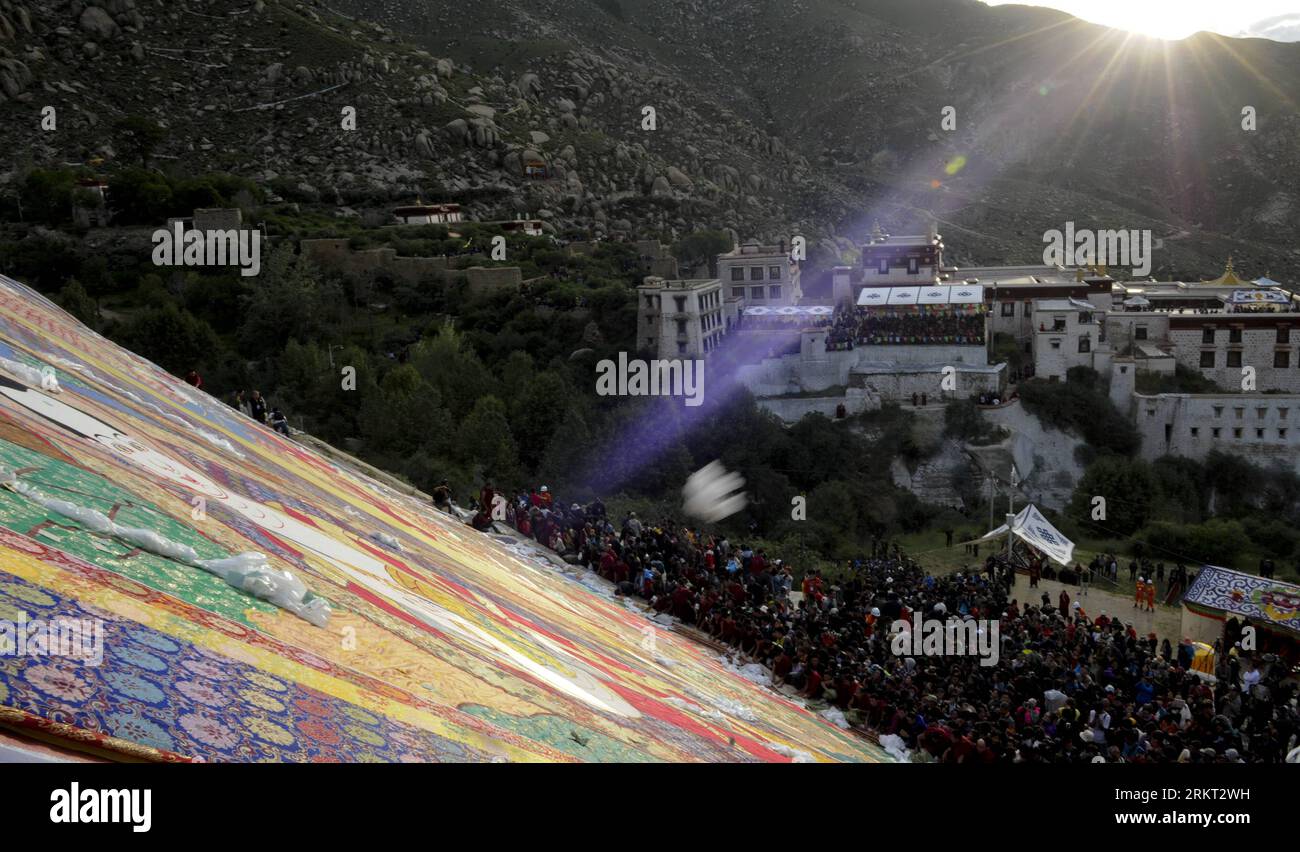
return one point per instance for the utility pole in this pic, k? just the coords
(1011, 509)
(1011, 492)
(990, 478)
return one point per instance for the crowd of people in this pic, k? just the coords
(1150, 578)
(1070, 686)
(870, 326)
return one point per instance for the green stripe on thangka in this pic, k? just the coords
(67, 482)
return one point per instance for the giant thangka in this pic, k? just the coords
(257, 602)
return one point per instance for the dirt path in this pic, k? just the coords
(1165, 621)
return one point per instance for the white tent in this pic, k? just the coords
(871, 296)
(1031, 527)
(903, 295)
(933, 295)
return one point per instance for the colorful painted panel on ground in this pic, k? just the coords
(443, 644)
(1259, 598)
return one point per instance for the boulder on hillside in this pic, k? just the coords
(99, 23)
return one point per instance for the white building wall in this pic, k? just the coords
(1264, 428)
(1056, 350)
(1124, 329)
(773, 269)
(1257, 348)
(674, 333)
(818, 370)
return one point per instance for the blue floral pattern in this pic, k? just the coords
(161, 692)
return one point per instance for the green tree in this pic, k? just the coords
(139, 197)
(1129, 488)
(46, 195)
(74, 299)
(537, 412)
(407, 415)
(564, 462)
(484, 439)
(290, 300)
(448, 364)
(138, 136)
(173, 339)
(703, 247)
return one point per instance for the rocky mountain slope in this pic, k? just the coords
(819, 115)
(260, 89)
(1056, 118)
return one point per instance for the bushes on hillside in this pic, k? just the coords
(1081, 404)
(1218, 541)
(1130, 490)
(963, 420)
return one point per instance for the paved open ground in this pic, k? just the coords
(1165, 621)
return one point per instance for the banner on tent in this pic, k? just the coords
(1031, 527)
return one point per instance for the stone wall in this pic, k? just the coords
(218, 218)
(897, 384)
(793, 409)
(337, 255)
(484, 280)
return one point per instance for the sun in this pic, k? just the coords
(1157, 23)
